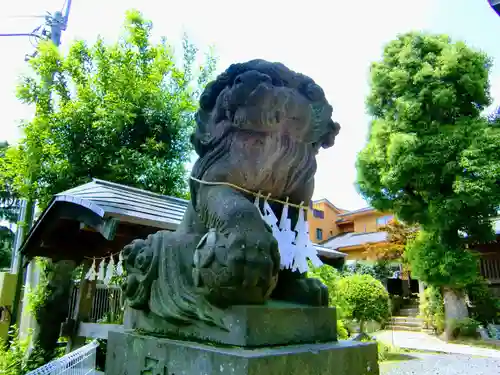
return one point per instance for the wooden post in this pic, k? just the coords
(85, 297)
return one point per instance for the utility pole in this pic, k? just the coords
(58, 23)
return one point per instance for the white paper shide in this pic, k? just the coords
(107, 269)
(294, 245)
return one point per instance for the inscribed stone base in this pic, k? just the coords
(134, 354)
(274, 323)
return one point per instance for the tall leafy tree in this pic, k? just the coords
(431, 157)
(121, 112)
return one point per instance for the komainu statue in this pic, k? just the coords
(259, 128)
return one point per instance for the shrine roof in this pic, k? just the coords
(99, 218)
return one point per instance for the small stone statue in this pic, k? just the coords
(259, 128)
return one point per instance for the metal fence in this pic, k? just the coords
(107, 302)
(79, 362)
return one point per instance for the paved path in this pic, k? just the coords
(425, 342)
(442, 364)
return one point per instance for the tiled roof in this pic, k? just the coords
(354, 239)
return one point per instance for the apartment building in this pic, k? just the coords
(346, 231)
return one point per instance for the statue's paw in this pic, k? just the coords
(239, 267)
(305, 291)
(253, 258)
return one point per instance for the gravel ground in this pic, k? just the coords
(442, 364)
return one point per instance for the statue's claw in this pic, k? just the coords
(241, 267)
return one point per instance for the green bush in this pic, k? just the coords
(432, 309)
(363, 298)
(466, 327)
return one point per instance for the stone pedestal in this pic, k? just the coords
(133, 354)
(274, 339)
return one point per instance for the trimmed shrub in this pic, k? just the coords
(363, 298)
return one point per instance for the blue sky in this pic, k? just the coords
(332, 41)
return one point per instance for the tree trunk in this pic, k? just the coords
(455, 308)
(52, 312)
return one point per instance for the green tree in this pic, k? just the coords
(431, 157)
(121, 112)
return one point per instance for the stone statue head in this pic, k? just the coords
(260, 126)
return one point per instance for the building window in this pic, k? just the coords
(319, 234)
(319, 214)
(384, 220)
